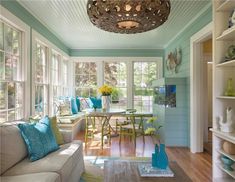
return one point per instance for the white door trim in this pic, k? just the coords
(196, 114)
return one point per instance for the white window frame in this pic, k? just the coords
(34, 43)
(14, 21)
(51, 47)
(130, 70)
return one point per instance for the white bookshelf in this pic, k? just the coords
(223, 37)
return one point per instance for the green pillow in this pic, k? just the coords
(56, 131)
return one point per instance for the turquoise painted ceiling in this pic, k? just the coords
(68, 20)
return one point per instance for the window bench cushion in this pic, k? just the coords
(70, 119)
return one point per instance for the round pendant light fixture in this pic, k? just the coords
(128, 16)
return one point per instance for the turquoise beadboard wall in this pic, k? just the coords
(174, 120)
(183, 41)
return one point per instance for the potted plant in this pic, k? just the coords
(106, 92)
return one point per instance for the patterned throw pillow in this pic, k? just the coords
(84, 103)
(63, 107)
(39, 138)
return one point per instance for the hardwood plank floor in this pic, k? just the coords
(197, 166)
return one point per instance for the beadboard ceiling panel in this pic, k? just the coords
(68, 20)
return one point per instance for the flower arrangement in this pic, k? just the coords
(153, 128)
(106, 90)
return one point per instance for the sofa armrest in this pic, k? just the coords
(67, 135)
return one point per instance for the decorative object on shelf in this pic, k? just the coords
(227, 163)
(230, 91)
(174, 60)
(232, 19)
(229, 148)
(227, 126)
(106, 92)
(230, 54)
(129, 17)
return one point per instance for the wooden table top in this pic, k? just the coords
(127, 171)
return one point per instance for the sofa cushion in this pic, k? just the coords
(35, 177)
(61, 161)
(12, 148)
(70, 119)
(39, 138)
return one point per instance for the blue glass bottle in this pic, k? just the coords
(162, 159)
(154, 156)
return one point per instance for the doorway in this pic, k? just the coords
(201, 66)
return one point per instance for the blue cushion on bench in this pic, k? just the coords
(97, 103)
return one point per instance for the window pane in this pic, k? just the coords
(11, 95)
(8, 67)
(86, 79)
(3, 117)
(11, 115)
(16, 68)
(16, 43)
(144, 74)
(3, 95)
(19, 113)
(115, 74)
(19, 94)
(2, 66)
(8, 32)
(1, 36)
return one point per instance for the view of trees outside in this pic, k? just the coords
(11, 86)
(144, 74)
(85, 79)
(41, 86)
(115, 75)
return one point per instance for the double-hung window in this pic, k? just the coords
(41, 81)
(144, 74)
(85, 79)
(115, 75)
(11, 79)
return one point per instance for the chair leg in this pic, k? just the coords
(86, 130)
(120, 134)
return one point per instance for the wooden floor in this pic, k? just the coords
(197, 166)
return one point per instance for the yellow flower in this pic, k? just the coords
(105, 90)
(151, 120)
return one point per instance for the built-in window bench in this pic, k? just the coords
(73, 123)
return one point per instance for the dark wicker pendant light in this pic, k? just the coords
(128, 16)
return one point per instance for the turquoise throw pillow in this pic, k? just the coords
(39, 138)
(97, 103)
(74, 106)
(78, 103)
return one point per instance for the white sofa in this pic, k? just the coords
(63, 165)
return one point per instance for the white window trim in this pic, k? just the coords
(51, 48)
(130, 76)
(14, 21)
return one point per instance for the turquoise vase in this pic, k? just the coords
(162, 159)
(154, 156)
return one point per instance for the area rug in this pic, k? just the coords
(94, 166)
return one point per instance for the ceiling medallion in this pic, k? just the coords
(128, 16)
